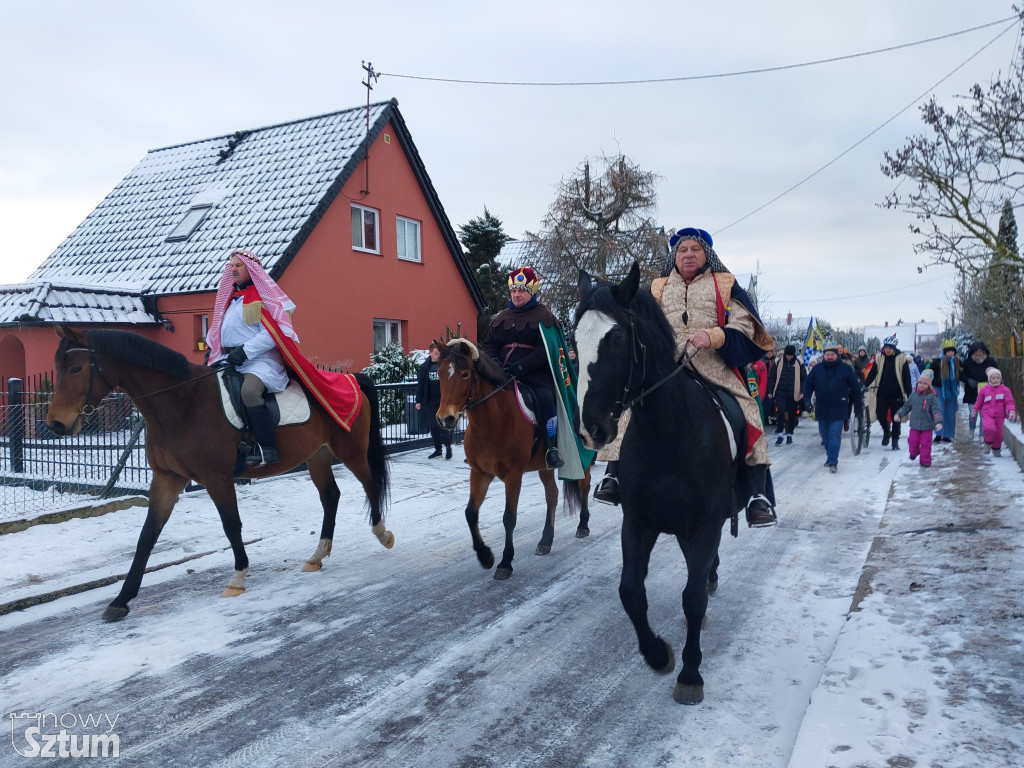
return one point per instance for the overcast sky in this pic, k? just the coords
(88, 88)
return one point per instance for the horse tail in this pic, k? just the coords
(376, 455)
(572, 497)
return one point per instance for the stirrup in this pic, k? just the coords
(607, 491)
(766, 518)
(259, 456)
(553, 459)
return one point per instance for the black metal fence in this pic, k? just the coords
(42, 473)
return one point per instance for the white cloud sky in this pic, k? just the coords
(90, 87)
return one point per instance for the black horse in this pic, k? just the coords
(676, 469)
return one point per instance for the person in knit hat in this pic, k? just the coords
(947, 370)
(785, 386)
(892, 370)
(972, 375)
(925, 411)
(995, 404)
(835, 388)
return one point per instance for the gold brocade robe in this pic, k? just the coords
(694, 307)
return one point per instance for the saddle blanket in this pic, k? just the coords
(293, 404)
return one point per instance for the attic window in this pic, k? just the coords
(189, 224)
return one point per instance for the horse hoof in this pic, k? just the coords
(232, 591)
(486, 559)
(712, 587)
(391, 541)
(308, 567)
(543, 549)
(582, 533)
(501, 574)
(114, 613)
(688, 694)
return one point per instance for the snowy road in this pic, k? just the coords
(415, 656)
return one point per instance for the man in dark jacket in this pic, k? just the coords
(893, 373)
(785, 385)
(860, 361)
(514, 341)
(972, 371)
(428, 396)
(835, 387)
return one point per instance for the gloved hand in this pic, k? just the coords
(515, 369)
(237, 356)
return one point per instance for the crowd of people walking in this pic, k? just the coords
(890, 387)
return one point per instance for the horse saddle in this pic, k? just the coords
(288, 407)
(729, 409)
(527, 401)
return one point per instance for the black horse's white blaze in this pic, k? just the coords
(590, 330)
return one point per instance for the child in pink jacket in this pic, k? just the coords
(995, 403)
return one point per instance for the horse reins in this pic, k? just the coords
(88, 409)
(467, 406)
(634, 343)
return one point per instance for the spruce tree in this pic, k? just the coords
(483, 238)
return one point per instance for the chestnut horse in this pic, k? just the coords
(189, 438)
(499, 443)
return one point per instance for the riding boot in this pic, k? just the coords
(552, 458)
(265, 451)
(760, 513)
(608, 489)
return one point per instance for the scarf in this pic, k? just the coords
(271, 298)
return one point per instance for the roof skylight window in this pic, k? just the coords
(189, 224)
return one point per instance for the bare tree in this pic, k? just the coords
(960, 171)
(601, 224)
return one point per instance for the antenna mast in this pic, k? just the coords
(371, 78)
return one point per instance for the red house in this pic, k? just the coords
(347, 221)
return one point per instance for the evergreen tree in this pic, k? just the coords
(483, 238)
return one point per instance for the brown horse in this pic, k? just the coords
(189, 438)
(499, 443)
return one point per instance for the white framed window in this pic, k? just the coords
(189, 224)
(408, 239)
(365, 229)
(385, 333)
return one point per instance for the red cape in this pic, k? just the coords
(338, 393)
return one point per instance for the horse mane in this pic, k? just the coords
(485, 366)
(490, 370)
(134, 349)
(654, 327)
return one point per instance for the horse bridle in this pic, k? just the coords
(95, 369)
(468, 406)
(635, 343)
(89, 409)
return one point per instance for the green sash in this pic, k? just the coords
(576, 457)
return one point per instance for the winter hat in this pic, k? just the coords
(891, 341)
(927, 373)
(524, 277)
(993, 373)
(790, 350)
(949, 344)
(975, 346)
(703, 237)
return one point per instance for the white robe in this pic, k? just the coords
(264, 359)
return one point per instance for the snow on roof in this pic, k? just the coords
(265, 188)
(43, 301)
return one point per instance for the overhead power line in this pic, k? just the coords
(686, 78)
(857, 143)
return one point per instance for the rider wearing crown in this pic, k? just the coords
(514, 341)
